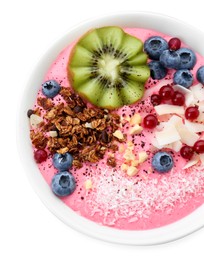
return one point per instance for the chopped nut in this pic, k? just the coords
(88, 125)
(137, 129)
(121, 148)
(135, 163)
(132, 171)
(88, 184)
(124, 167)
(118, 134)
(136, 119)
(35, 120)
(53, 133)
(142, 157)
(129, 156)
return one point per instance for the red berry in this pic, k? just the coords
(199, 146)
(150, 121)
(174, 44)
(178, 99)
(40, 155)
(186, 152)
(191, 113)
(155, 100)
(166, 92)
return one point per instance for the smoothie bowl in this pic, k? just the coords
(113, 134)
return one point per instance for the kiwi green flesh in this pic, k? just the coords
(132, 93)
(110, 98)
(107, 66)
(91, 90)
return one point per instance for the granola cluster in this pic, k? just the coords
(71, 126)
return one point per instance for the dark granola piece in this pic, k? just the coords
(45, 103)
(111, 161)
(38, 139)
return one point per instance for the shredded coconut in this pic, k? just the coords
(118, 197)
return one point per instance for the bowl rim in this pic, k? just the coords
(164, 234)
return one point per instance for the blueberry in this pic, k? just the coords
(63, 183)
(162, 162)
(200, 74)
(170, 59)
(50, 88)
(188, 58)
(183, 78)
(154, 46)
(157, 71)
(62, 162)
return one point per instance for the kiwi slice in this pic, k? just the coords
(108, 67)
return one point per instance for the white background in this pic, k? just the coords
(27, 229)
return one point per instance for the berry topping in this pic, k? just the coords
(150, 121)
(157, 71)
(191, 113)
(162, 162)
(154, 46)
(40, 155)
(166, 92)
(199, 146)
(155, 100)
(62, 162)
(188, 58)
(50, 88)
(200, 74)
(174, 44)
(186, 152)
(183, 77)
(63, 184)
(178, 98)
(170, 59)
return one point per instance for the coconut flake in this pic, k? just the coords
(192, 162)
(187, 137)
(194, 127)
(167, 136)
(198, 92)
(169, 109)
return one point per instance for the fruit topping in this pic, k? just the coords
(154, 46)
(150, 121)
(63, 184)
(187, 58)
(40, 155)
(50, 88)
(62, 162)
(199, 146)
(166, 92)
(162, 162)
(157, 70)
(192, 113)
(183, 77)
(187, 152)
(178, 98)
(174, 44)
(200, 74)
(108, 67)
(155, 100)
(170, 59)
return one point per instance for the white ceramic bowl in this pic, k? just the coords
(187, 225)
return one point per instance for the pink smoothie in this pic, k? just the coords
(145, 201)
